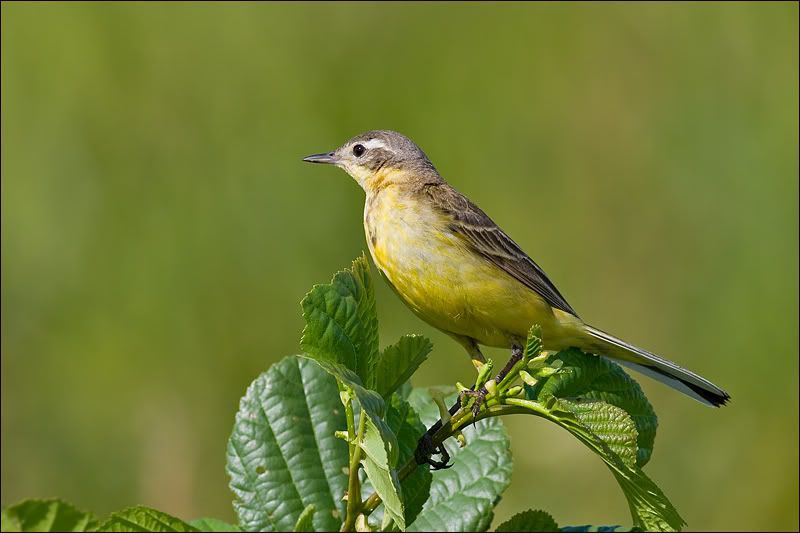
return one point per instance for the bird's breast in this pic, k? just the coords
(410, 241)
(435, 273)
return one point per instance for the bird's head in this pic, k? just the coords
(379, 157)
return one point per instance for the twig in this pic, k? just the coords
(354, 504)
(461, 419)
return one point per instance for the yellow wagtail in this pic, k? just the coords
(458, 271)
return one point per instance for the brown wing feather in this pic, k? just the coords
(486, 238)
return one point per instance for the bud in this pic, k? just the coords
(344, 396)
(537, 361)
(362, 524)
(515, 391)
(546, 372)
(483, 373)
(527, 378)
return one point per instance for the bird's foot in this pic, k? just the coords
(426, 450)
(480, 397)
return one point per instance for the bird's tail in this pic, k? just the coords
(655, 367)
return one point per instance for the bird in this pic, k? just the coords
(457, 270)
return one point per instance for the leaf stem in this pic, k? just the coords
(354, 503)
(347, 399)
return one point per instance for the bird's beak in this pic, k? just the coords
(328, 158)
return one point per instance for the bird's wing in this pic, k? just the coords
(487, 239)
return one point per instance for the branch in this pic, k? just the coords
(460, 420)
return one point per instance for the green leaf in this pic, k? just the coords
(599, 529)
(610, 424)
(585, 377)
(144, 519)
(378, 442)
(415, 489)
(610, 433)
(46, 515)
(282, 454)
(533, 345)
(529, 521)
(342, 324)
(370, 401)
(536, 521)
(404, 390)
(341, 335)
(399, 361)
(574, 401)
(306, 521)
(650, 507)
(382, 474)
(462, 498)
(213, 524)
(407, 426)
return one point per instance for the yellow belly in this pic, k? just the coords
(443, 282)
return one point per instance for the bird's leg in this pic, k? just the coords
(480, 394)
(516, 356)
(425, 448)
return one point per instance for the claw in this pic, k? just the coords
(443, 464)
(480, 396)
(425, 450)
(476, 408)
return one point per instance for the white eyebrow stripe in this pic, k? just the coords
(374, 143)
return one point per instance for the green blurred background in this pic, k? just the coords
(159, 229)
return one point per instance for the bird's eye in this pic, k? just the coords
(358, 150)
